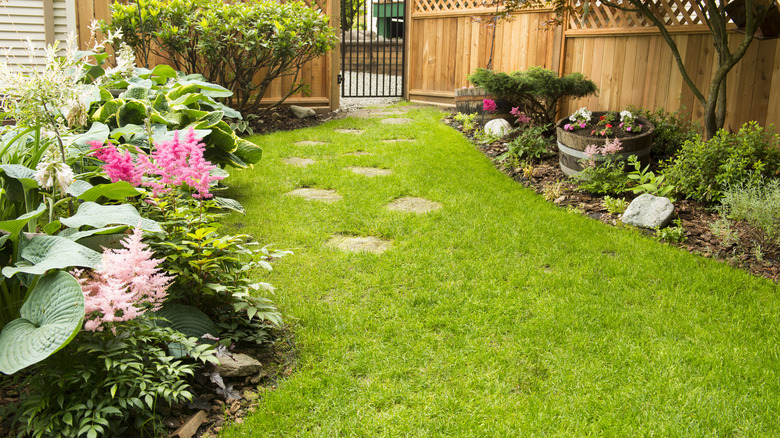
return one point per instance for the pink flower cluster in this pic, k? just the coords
(521, 116)
(489, 105)
(610, 147)
(572, 127)
(126, 285)
(172, 163)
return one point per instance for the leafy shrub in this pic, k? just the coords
(758, 204)
(675, 234)
(603, 173)
(647, 181)
(702, 169)
(671, 130)
(106, 385)
(231, 44)
(467, 123)
(529, 144)
(537, 91)
(615, 205)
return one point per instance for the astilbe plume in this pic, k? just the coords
(127, 284)
(180, 162)
(118, 167)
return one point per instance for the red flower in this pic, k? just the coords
(608, 125)
(593, 132)
(602, 117)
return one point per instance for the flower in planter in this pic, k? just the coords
(489, 105)
(628, 122)
(579, 119)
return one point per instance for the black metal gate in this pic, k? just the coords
(373, 55)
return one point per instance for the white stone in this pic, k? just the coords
(302, 112)
(648, 211)
(498, 127)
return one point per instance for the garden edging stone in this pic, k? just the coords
(649, 211)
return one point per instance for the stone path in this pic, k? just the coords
(371, 244)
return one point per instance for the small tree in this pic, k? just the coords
(713, 99)
(536, 91)
(242, 46)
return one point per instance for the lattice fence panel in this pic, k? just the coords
(600, 16)
(450, 5)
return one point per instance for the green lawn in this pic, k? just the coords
(498, 315)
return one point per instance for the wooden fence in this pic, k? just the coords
(623, 54)
(319, 74)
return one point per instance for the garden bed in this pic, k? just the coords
(547, 179)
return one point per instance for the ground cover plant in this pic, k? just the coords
(497, 313)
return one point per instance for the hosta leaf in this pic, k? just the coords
(163, 72)
(98, 132)
(24, 175)
(229, 204)
(133, 112)
(14, 226)
(105, 113)
(135, 91)
(50, 318)
(208, 88)
(99, 216)
(186, 319)
(113, 191)
(53, 252)
(248, 151)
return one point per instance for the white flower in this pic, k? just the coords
(581, 115)
(48, 172)
(627, 117)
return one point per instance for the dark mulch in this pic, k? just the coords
(742, 250)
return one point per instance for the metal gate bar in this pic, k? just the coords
(372, 67)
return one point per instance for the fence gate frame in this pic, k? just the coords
(359, 61)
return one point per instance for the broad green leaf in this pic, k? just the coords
(127, 132)
(229, 204)
(50, 318)
(42, 253)
(183, 90)
(15, 226)
(186, 319)
(135, 91)
(78, 187)
(105, 113)
(113, 191)
(97, 132)
(248, 151)
(160, 103)
(230, 112)
(164, 72)
(99, 216)
(209, 89)
(222, 140)
(133, 112)
(24, 175)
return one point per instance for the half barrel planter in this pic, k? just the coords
(572, 145)
(470, 101)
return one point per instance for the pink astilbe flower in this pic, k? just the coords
(521, 116)
(591, 150)
(611, 147)
(489, 105)
(179, 162)
(126, 285)
(118, 167)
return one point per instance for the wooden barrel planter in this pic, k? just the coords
(572, 144)
(469, 101)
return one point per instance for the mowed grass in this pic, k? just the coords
(500, 315)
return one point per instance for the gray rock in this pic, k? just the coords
(648, 211)
(498, 127)
(239, 365)
(302, 112)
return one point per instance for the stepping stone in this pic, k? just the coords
(316, 195)
(358, 153)
(298, 162)
(370, 244)
(399, 140)
(413, 205)
(370, 171)
(310, 143)
(388, 113)
(397, 121)
(349, 131)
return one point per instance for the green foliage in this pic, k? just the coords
(675, 234)
(606, 178)
(350, 11)
(231, 44)
(536, 91)
(529, 144)
(155, 103)
(646, 181)
(467, 123)
(615, 205)
(758, 204)
(702, 169)
(671, 130)
(106, 385)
